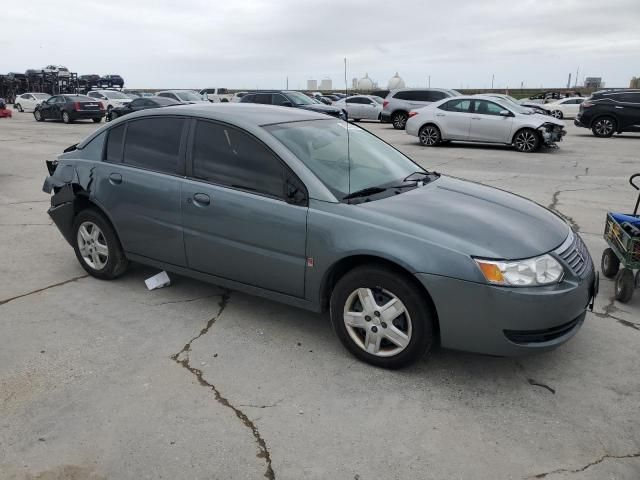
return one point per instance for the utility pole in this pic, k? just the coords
(492, 79)
(577, 74)
(287, 82)
(569, 81)
(429, 83)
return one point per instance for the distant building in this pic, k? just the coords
(395, 82)
(635, 82)
(312, 85)
(325, 84)
(593, 82)
(365, 84)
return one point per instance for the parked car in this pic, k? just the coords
(216, 95)
(91, 80)
(400, 102)
(69, 108)
(56, 69)
(535, 107)
(138, 104)
(484, 119)
(27, 102)
(112, 80)
(270, 201)
(564, 108)
(609, 112)
(544, 97)
(380, 93)
(183, 96)
(290, 98)
(324, 99)
(110, 98)
(361, 107)
(237, 96)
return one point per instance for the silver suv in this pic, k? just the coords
(400, 102)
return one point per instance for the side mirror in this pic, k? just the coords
(505, 113)
(296, 193)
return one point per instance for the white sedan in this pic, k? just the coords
(564, 108)
(27, 102)
(361, 107)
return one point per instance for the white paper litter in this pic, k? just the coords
(158, 281)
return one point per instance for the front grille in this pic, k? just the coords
(545, 335)
(575, 254)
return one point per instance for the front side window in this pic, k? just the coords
(279, 99)
(139, 102)
(230, 157)
(263, 98)
(483, 107)
(188, 96)
(154, 144)
(298, 98)
(344, 163)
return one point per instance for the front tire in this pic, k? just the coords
(526, 140)
(19, 108)
(381, 317)
(399, 120)
(604, 127)
(557, 114)
(610, 264)
(97, 246)
(37, 114)
(430, 136)
(66, 118)
(625, 283)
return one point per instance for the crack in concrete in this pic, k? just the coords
(543, 385)
(29, 201)
(553, 207)
(187, 300)
(587, 466)
(25, 224)
(74, 279)
(271, 405)
(199, 374)
(610, 308)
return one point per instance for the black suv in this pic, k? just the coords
(289, 98)
(112, 81)
(608, 112)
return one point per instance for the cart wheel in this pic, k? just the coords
(610, 263)
(624, 285)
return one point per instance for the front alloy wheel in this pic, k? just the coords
(603, 127)
(377, 322)
(526, 141)
(556, 114)
(92, 245)
(429, 136)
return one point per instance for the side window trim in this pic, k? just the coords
(106, 142)
(286, 170)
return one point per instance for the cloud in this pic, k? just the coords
(244, 44)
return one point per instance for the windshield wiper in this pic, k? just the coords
(423, 175)
(365, 192)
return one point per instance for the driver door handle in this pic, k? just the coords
(201, 199)
(115, 178)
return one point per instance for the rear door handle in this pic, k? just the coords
(201, 199)
(115, 178)
(476, 118)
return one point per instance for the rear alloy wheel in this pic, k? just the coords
(429, 136)
(399, 120)
(610, 264)
(37, 114)
(381, 317)
(66, 118)
(526, 141)
(557, 114)
(625, 284)
(604, 127)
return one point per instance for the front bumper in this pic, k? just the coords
(85, 115)
(551, 134)
(503, 321)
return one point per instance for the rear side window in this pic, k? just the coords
(263, 98)
(406, 95)
(114, 144)
(154, 144)
(227, 156)
(631, 97)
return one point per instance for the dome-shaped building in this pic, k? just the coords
(395, 82)
(365, 84)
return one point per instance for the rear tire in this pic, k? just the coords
(429, 136)
(625, 284)
(96, 120)
(37, 114)
(526, 140)
(604, 127)
(610, 264)
(557, 114)
(66, 118)
(366, 329)
(101, 256)
(399, 120)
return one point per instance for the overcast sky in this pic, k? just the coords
(258, 43)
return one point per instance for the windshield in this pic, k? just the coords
(115, 95)
(322, 146)
(514, 105)
(189, 96)
(298, 98)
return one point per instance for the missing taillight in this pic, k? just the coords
(384, 104)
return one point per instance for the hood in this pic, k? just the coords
(548, 119)
(472, 219)
(320, 107)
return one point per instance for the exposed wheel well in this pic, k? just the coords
(340, 268)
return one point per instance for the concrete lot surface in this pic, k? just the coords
(106, 380)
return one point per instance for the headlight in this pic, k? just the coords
(543, 270)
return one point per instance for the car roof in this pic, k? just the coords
(395, 90)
